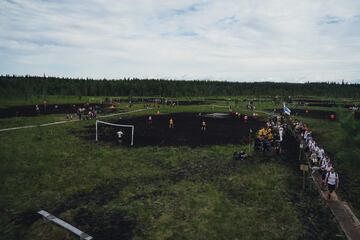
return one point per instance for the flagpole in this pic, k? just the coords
(286, 110)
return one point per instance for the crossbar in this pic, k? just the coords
(113, 124)
(49, 217)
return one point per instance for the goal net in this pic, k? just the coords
(108, 131)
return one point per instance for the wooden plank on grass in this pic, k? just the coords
(65, 225)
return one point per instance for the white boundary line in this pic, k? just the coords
(214, 105)
(63, 122)
(16, 128)
(49, 217)
(267, 113)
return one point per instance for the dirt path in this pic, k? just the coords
(341, 210)
(347, 220)
(67, 121)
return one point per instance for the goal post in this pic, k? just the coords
(115, 125)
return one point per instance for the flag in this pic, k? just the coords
(286, 110)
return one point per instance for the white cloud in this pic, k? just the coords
(249, 40)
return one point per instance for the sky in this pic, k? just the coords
(232, 40)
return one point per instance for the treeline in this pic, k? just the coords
(26, 86)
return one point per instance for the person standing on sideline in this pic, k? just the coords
(37, 109)
(171, 123)
(332, 180)
(79, 112)
(281, 132)
(119, 136)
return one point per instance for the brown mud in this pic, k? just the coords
(221, 128)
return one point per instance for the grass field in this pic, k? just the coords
(114, 192)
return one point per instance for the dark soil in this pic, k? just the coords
(226, 128)
(27, 217)
(100, 195)
(357, 115)
(110, 225)
(102, 224)
(290, 147)
(316, 102)
(30, 110)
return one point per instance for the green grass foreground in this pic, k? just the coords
(113, 192)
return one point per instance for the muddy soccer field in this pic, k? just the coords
(221, 128)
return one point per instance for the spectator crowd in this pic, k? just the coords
(320, 161)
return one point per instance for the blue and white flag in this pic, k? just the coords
(286, 110)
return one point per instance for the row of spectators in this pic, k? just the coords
(319, 159)
(87, 112)
(269, 138)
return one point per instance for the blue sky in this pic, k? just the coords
(233, 40)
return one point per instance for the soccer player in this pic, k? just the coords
(119, 136)
(203, 126)
(37, 109)
(171, 123)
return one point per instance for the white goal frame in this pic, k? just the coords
(116, 125)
